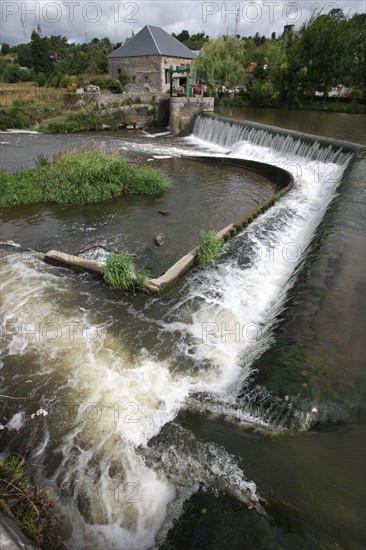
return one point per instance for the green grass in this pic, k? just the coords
(29, 506)
(208, 248)
(119, 272)
(77, 178)
(91, 120)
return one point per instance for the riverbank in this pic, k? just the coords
(72, 112)
(331, 105)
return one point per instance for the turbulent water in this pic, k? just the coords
(106, 437)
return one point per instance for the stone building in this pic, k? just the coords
(146, 58)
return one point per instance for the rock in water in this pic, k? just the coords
(160, 239)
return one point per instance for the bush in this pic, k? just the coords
(79, 178)
(114, 86)
(15, 117)
(90, 120)
(123, 77)
(260, 93)
(208, 248)
(41, 79)
(119, 271)
(13, 73)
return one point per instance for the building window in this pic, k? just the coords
(167, 76)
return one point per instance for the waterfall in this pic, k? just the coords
(231, 133)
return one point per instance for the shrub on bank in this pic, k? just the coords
(208, 248)
(79, 178)
(87, 121)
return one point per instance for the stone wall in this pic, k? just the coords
(147, 73)
(183, 112)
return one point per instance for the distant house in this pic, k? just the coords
(146, 58)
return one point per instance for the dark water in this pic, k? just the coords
(191, 447)
(200, 198)
(334, 125)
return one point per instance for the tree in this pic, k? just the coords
(41, 59)
(324, 50)
(194, 42)
(182, 36)
(5, 49)
(221, 62)
(356, 37)
(24, 55)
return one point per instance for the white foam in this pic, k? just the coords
(16, 421)
(121, 402)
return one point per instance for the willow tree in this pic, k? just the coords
(221, 62)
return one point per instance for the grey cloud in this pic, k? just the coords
(81, 20)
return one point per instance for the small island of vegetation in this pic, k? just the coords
(79, 177)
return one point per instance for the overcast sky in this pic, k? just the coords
(82, 20)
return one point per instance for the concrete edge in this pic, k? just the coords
(55, 257)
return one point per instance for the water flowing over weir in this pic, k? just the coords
(110, 443)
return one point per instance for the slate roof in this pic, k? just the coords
(153, 41)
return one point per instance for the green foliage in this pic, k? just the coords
(29, 506)
(16, 116)
(5, 49)
(142, 276)
(19, 188)
(123, 77)
(260, 93)
(12, 73)
(208, 248)
(41, 160)
(70, 99)
(119, 270)
(79, 178)
(84, 121)
(147, 181)
(194, 42)
(114, 86)
(41, 79)
(221, 62)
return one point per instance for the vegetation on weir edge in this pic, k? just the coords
(208, 248)
(29, 506)
(119, 272)
(79, 177)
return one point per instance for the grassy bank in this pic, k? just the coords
(79, 178)
(26, 115)
(29, 506)
(91, 120)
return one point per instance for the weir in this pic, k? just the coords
(228, 133)
(113, 412)
(232, 135)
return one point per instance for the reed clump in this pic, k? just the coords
(29, 506)
(79, 177)
(208, 248)
(119, 272)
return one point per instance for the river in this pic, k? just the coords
(152, 437)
